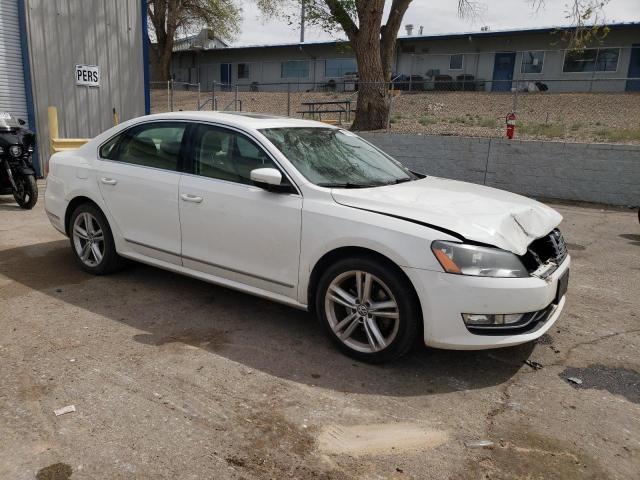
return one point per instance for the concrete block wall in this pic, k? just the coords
(601, 173)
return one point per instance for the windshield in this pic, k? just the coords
(332, 157)
(7, 121)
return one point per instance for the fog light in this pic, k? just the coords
(491, 318)
(15, 150)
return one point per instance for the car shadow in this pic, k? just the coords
(634, 238)
(7, 203)
(173, 309)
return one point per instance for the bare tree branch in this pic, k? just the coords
(341, 16)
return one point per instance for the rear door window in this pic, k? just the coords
(156, 145)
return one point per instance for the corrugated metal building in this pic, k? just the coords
(42, 42)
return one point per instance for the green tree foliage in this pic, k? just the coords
(171, 18)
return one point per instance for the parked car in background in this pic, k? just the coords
(315, 217)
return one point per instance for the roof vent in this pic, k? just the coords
(409, 28)
(420, 30)
(485, 28)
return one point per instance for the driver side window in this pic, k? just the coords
(227, 155)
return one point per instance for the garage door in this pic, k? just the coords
(12, 93)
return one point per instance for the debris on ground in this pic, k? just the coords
(533, 364)
(64, 410)
(575, 380)
(479, 444)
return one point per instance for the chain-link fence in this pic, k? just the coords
(600, 111)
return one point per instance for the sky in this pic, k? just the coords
(436, 17)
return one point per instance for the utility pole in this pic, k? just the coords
(302, 13)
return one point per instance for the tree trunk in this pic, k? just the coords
(373, 104)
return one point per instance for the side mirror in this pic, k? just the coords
(21, 121)
(266, 178)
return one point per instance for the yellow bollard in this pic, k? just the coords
(57, 144)
(52, 113)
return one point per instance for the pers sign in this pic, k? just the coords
(88, 75)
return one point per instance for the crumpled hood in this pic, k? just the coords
(475, 212)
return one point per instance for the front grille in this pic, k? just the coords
(550, 248)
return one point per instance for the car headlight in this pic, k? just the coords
(466, 259)
(15, 150)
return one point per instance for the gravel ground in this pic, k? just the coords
(175, 378)
(579, 117)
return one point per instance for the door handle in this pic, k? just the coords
(191, 198)
(108, 181)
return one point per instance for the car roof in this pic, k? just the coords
(238, 119)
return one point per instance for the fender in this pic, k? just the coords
(27, 171)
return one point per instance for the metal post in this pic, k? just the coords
(302, 20)
(515, 99)
(288, 99)
(171, 94)
(168, 95)
(390, 110)
(213, 95)
(198, 93)
(235, 99)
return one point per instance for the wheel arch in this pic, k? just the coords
(73, 204)
(339, 253)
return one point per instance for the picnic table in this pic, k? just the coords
(319, 107)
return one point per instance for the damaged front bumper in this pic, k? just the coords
(445, 298)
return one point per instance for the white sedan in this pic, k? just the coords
(315, 217)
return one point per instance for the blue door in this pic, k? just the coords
(634, 69)
(503, 71)
(225, 73)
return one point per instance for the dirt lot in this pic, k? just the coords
(175, 378)
(574, 117)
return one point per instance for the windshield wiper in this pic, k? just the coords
(398, 180)
(402, 180)
(346, 185)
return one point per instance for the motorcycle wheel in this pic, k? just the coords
(27, 194)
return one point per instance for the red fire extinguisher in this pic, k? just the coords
(511, 125)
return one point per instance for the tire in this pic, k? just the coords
(391, 309)
(100, 257)
(27, 194)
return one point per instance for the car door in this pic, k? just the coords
(232, 228)
(139, 177)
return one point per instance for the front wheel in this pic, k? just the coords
(26, 194)
(368, 308)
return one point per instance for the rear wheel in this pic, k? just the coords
(92, 241)
(26, 194)
(368, 308)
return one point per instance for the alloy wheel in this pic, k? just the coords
(362, 311)
(88, 239)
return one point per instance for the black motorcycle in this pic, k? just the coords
(17, 175)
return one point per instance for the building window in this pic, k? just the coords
(532, 62)
(339, 67)
(295, 69)
(591, 60)
(243, 71)
(455, 61)
(607, 60)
